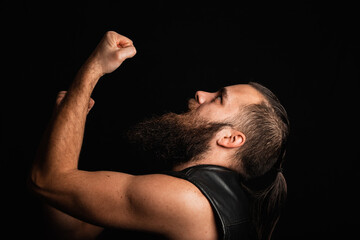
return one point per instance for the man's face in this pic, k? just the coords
(223, 104)
(178, 138)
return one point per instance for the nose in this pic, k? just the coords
(202, 97)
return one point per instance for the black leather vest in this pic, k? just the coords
(222, 188)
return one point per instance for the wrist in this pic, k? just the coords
(86, 78)
(92, 67)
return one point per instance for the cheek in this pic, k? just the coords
(214, 114)
(208, 113)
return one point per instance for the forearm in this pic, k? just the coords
(61, 145)
(68, 124)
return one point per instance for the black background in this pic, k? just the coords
(306, 52)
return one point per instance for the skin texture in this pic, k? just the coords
(81, 203)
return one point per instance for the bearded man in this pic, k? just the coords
(218, 151)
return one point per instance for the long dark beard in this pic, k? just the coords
(174, 138)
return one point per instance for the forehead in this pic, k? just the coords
(244, 94)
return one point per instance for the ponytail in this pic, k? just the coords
(266, 127)
(267, 205)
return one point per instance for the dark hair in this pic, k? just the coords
(266, 127)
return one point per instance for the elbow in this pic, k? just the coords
(39, 182)
(45, 182)
(36, 178)
(41, 178)
(34, 182)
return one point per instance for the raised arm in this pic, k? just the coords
(61, 146)
(156, 203)
(58, 153)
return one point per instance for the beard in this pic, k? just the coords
(173, 139)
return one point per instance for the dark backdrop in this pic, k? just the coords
(307, 53)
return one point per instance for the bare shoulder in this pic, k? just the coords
(174, 206)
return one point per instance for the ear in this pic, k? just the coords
(231, 138)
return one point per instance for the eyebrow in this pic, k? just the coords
(223, 92)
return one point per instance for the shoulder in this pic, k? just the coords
(173, 205)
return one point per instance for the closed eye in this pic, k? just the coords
(218, 97)
(221, 95)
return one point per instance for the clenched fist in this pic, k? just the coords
(112, 50)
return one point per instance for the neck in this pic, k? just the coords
(211, 161)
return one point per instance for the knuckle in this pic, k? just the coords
(134, 50)
(61, 94)
(109, 33)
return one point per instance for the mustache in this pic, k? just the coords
(192, 104)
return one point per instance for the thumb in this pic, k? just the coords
(91, 104)
(126, 52)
